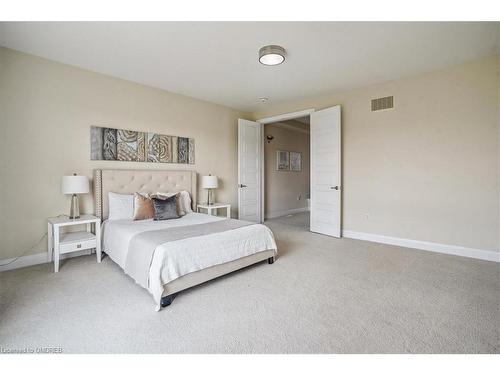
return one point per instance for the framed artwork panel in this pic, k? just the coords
(282, 160)
(295, 161)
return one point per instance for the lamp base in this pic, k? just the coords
(209, 198)
(74, 211)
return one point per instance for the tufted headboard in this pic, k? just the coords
(123, 181)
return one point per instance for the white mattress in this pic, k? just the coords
(177, 258)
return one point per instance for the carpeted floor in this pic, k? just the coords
(322, 295)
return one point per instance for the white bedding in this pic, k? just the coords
(172, 260)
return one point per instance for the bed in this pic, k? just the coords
(166, 257)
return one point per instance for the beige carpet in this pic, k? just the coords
(322, 295)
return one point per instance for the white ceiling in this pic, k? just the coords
(304, 120)
(217, 61)
(292, 125)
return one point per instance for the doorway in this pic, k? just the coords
(286, 194)
(325, 168)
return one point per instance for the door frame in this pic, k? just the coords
(263, 122)
(286, 116)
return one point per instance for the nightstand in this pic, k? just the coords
(212, 209)
(63, 243)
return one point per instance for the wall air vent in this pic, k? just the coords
(382, 103)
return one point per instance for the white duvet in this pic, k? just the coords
(172, 260)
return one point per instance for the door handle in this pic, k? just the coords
(334, 187)
(242, 186)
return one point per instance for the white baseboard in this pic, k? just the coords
(292, 211)
(491, 255)
(39, 258)
(468, 252)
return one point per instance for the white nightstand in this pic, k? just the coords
(212, 209)
(62, 243)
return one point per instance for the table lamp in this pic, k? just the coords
(209, 182)
(74, 185)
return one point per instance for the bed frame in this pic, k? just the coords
(125, 181)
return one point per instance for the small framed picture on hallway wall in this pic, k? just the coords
(295, 161)
(282, 160)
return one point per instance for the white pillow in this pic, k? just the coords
(184, 201)
(121, 206)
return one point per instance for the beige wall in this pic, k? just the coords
(46, 110)
(283, 188)
(429, 169)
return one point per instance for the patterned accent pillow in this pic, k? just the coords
(166, 209)
(143, 207)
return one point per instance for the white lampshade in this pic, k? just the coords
(209, 182)
(74, 185)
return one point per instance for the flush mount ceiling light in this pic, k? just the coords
(271, 55)
(263, 99)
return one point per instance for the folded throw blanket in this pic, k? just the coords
(143, 245)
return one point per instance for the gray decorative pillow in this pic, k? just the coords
(166, 209)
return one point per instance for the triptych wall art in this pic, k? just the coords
(127, 145)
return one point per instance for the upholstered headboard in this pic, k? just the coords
(123, 181)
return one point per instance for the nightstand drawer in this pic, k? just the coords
(76, 241)
(76, 246)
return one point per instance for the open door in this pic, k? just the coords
(249, 170)
(326, 172)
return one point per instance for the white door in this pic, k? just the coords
(326, 171)
(249, 170)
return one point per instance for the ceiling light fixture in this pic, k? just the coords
(271, 55)
(263, 99)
